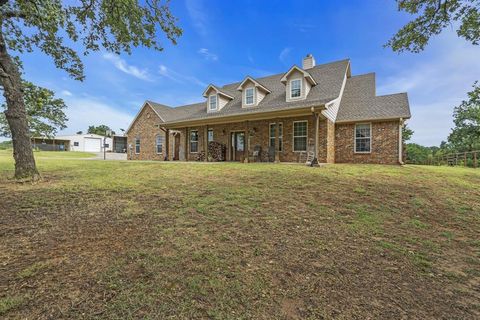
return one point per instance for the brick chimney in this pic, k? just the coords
(308, 62)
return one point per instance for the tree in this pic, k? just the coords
(432, 17)
(45, 113)
(110, 25)
(407, 133)
(100, 130)
(465, 136)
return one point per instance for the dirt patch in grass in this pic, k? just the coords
(231, 241)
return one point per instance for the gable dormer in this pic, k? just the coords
(298, 83)
(253, 92)
(216, 98)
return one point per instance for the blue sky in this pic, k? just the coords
(224, 41)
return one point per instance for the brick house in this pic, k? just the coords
(317, 111)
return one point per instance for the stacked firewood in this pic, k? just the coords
(216, 152)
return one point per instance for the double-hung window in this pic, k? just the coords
(295, 88)
(212, 102)
(363, 138)
(300, 135)
(280, 135)
(159, 144)
(210, 135)
(249, 96)
(137, 145)
(193, 141)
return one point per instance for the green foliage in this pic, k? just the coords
(113, 25)
(432, 16)
(465, 135)
(100, 130)
(45, 113)
(420, 154)
(407, 133)
(5, 145)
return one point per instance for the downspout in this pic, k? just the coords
(400, 142)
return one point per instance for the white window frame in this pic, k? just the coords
(196, 141)
(270, 135)
(139, 145)
(208, 135)
(253, 96)
(355, 138)
(156, 143)
(301, 88)
(215, 96)
(294, 136)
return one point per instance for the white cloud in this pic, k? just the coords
(284, 54)
(87, 111)
(66, 93)
(123, 66)
(208, 55)
(178, 77)
(196, 11)
(436, 82)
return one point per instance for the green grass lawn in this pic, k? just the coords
(131, 240)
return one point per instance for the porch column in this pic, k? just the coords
(277, 141)
(247, 141)
(205, 142)
(316, 119)
(167, 142)
(186, 143)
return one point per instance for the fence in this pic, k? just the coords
(466, 159)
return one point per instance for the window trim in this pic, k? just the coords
(293, 136)
(156, 143)
(208, 135)
(139, 144)
(301, 88)
(190, 141)
(253, 96)
(270, 134)
(355, 138)
(210, 102)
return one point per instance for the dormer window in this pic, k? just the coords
(249, 96)
(296, 88)
(212, 102)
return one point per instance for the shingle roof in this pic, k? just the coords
(328, 76)
(360, 103)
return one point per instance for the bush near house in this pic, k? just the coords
(161, 240)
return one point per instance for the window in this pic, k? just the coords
(300, 136)
(280, 135)
(137, 145)
(249, 93)
(76, 144)
(193, 141)
(363, 138)
(159, 144)
(212, 102)
(295, 88)
(210, 135)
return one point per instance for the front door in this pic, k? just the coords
(238, 146)
(176, 147)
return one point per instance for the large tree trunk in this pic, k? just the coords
(16, 115)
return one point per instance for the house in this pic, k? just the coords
(321, 111)
(80, 142)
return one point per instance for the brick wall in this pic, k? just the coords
(384, 144)
(145, 128)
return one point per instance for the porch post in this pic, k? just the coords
(205, 142)
(186, 144)
(247, 141)
(167, 143)
(316, 119)
(277, 142)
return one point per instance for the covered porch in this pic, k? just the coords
(301, 136)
